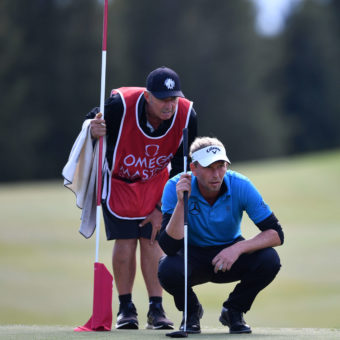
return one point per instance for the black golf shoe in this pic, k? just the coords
(156, 318)
(127, 317)
(193, 321)
(234, 320)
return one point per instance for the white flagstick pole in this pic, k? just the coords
(100, 156)
(185, 154)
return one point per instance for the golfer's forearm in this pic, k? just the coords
(175, 227)
(265, 239)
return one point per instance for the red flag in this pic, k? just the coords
(101, 319)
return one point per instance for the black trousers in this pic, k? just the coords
(254, 271)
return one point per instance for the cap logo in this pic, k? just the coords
(169, 83)
(213, 149)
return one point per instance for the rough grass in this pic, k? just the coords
(46, 275)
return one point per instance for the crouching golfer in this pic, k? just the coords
(217, 252)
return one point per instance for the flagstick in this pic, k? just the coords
(100, 155)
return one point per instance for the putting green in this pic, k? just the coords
(61, 333)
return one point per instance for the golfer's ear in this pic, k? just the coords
(193, 168)
(147, 95)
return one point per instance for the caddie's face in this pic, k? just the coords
(209, 178)
(160, 108)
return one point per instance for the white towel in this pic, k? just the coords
(80, 176)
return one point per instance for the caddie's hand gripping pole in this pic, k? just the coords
(185, 154)
(100, 151)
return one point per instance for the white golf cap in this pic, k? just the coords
(209, 155)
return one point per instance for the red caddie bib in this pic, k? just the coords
(140, 162)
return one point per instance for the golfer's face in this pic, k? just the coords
(210, 178)
(162, 108)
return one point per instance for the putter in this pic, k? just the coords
(183, 333)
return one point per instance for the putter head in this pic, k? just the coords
(177, 334)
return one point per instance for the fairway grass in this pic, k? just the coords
(46, 275)
(65, 333)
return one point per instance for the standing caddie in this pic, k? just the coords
(143, 129)
(217, 252)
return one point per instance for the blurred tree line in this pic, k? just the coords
(262, 96)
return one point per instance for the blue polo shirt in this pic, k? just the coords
(220, 223)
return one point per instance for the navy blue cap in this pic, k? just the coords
(164, 83)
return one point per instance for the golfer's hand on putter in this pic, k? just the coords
(226, 258)
(184, 184)
(155, 218)
(98, 126)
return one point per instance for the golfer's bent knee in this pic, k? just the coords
(271, 262)
(168, 271)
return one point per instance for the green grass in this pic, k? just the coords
(62, 333)
(46, 275)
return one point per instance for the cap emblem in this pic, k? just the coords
(169, 83)
(213, 149)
